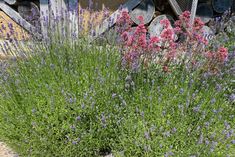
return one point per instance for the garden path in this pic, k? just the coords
(5, 151)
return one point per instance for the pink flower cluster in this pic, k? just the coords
(135, 43)
(219, 56)
(124, 22)
(194, 33)
(138, 50)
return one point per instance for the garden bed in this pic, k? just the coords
(77, 99)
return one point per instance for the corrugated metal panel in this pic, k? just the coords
(185, 4)
(100, 4)
(233, 7)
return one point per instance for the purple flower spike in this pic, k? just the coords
(146, 135)
(232, 97)
(78, 118)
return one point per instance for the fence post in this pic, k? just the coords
(44, 17)
(193, 12)
(73, 17)
(63, 13)
(58, 16)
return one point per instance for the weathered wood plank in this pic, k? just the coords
(193, 11)
(73, 16)
(109, 22)
(10, 29)
(175, 7)
(17, 18)
(11, 2)
(44, 17)
(58, 9)
(67, 12)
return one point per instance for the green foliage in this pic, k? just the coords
(75, 100)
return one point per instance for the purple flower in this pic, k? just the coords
(215, 111)
(174, 130)
(232, 97)
(168, 154)
(83, 106)
(228, 135)
(146, 135)
(227, 126)
(207, 124)
(142, 114)
(167, 134)
(207, 142)
(213, 100)
(214, 144)
(218, 87)
(72, 127)
(196, 109)
(200, 141)
(71, 100)
(103, 120)
(181, 90)
(74, 142)
(233, 141)
(78, 118)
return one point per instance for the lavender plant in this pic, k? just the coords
(73, 98)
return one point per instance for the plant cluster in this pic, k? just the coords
(165, 50)
(74, 98)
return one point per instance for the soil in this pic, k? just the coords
(5, 151)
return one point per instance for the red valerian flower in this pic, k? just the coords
(165, 68)
(177, 30)
(165, 22)
(125, 36)
(142, 41)
(124, 22)
(210, 55)
(154, 40)
(185, 16)
(153, 43)
(198, 24)
(167, 34)
(140, 29)
(222, 54)
(141, 19)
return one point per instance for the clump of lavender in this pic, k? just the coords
(74, 96)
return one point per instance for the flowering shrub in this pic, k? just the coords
(215, 59)
(165, 50)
